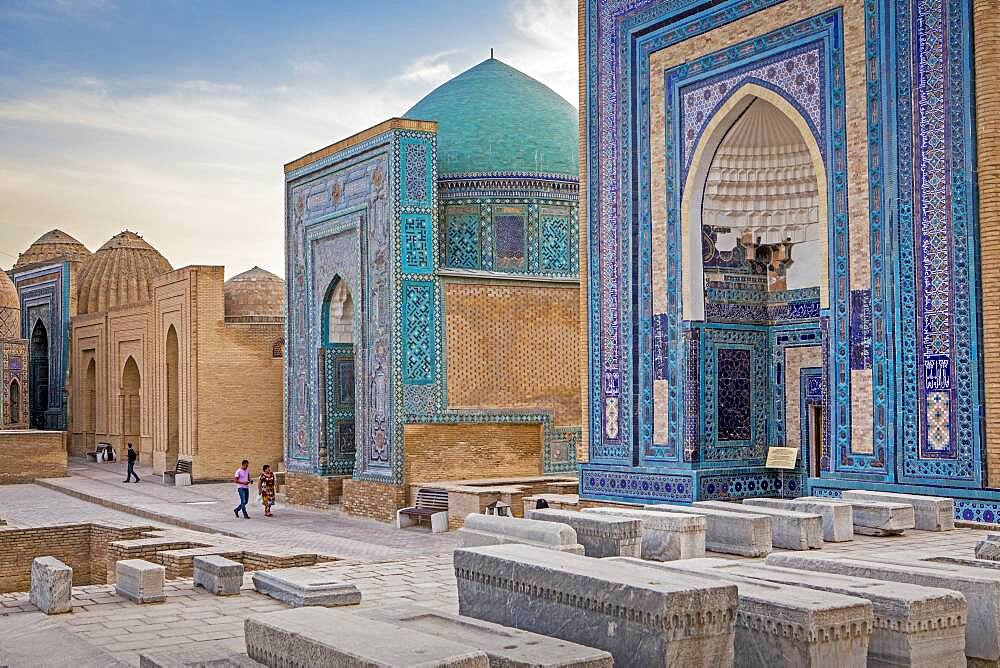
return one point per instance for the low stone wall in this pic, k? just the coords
(82, 547)
(306, 489)
(29, 454)
(376, 500)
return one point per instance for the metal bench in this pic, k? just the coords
(431, 504)
(103, 452)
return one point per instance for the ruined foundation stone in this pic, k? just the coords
(727, 532)
(790, 529)
(219, 575)
(325, 637)
(914, 625)
(980, 586)
(300, 587)
(642, 616)
(51, 585)
(483, 530)
(838, 518)
(782, 626)
(140, 581)
(665, 536)
(601, 536)
(505, 646)
(989, 547)
(930, 513)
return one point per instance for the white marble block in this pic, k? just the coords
(51, 585)
(483, 530)
(140, 581)
(745, 534)
(218, 575)
(838, 518)
(665, 536)
(930, 513)
(790, 529)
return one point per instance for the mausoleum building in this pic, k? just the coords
(788, 225)
(433, 296)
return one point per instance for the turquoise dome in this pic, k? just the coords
(493, 118)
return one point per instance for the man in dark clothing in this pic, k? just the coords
(132, 456)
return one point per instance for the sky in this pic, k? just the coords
(173, 118)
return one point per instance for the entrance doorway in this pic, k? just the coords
(131, 405)
(14, 399)
(337, 376)
(38, 402)
(90, 406)
(173, 407)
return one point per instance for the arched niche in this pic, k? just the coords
(692, 213)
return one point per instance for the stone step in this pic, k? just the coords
(914, 625)
(600, 535)
(930, 513)
(747, 535)
(665, 536)
(790, 529)
(642, 616)
(505, 646)
(838, 518)
(482, 530)
(784, 626)
(980, 586)
(327, 637)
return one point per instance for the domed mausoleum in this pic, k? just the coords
(53, 246)
(119, 274)
(433, 268)
(13, 359)
(256, 293)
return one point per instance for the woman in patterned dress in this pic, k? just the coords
(265, 486)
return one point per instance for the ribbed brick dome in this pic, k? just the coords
(54, 246)
(10, 309)
(119, 274)
(256, 292)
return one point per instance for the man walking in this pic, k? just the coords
(242, 480)
(132, 456)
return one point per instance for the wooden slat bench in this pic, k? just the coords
(431, 504)
(182, 466)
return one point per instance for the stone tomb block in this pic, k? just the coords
(914, 625)
(930, 513)
(790, 529)
(199, 655)
(505, 646)
(665, 536)
(876, 518)
(301, 587)
(989, 547)
(218, 575)
(51, 585)
(783, 626)
(325, 637)
(140, 581)
(980, 586)
(838, 518)
(483, 530)
(600, 535)
(748, 535)
(644, 617)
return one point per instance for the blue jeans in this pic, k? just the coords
(131, 472)
(244, 499)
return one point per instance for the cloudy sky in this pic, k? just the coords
(173, 119)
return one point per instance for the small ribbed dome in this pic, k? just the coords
(120, 273)
(256, 292)
(53, 246)
(493, 118)
(10, 309)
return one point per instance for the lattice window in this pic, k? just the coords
(510, 240)
(734, 394)
(462, 248)
(278, 348)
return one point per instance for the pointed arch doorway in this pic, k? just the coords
(38, 355)
(131, 405)
(337, 374)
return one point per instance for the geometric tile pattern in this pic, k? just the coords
(418, 333)
(417, 240)
(555, 244)
(463, 241)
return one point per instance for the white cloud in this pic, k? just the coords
(544, 44)
(433, 69)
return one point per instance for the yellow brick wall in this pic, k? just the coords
(986, 35)
(513, 346)
(28, 455)
(305, 489)
(462, 451)
(373, 499)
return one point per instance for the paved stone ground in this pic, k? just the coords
(388, 566)
(209, 507)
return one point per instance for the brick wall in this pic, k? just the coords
(305, 489)
(462, 451)
(986, 34)
(28, 455)
(513, 347)
(373, 499)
